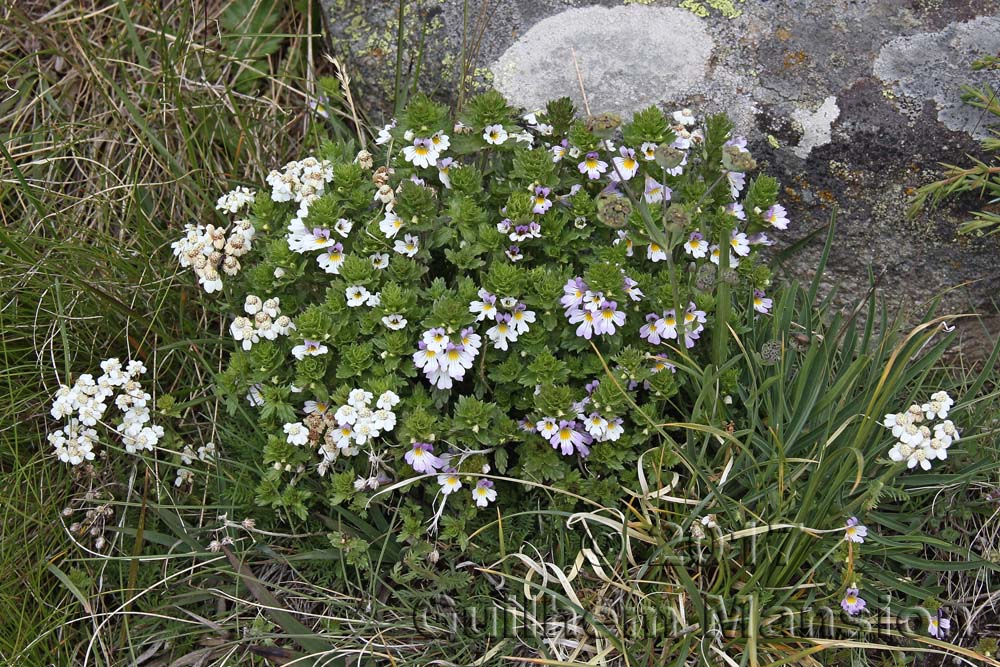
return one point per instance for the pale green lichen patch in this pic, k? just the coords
(703, 8)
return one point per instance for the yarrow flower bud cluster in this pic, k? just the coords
(919, 441)
(210, 252)
(265, 321)
(83, 407)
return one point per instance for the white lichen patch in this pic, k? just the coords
(935, 65)
(816, 126)
(628, 57)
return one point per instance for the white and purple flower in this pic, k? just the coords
(761, 303)
(421, 154)
(569, 438)
(542, 203)
(309, 348)
(655, 192)
(776, 217)
(502, 332)
(495, 134)
(484, 493)
(593, 166)
(853, 603)
(696, 245)
(422, 459)
(854, 531)
(626, 165)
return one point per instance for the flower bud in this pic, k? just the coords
(668, 157)
(736, 159)
(365, 160)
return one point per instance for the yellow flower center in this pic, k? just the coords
(591, 163)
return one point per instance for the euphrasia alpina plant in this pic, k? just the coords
(432, 314)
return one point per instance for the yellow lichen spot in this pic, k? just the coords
(773, 141)
(795, 58)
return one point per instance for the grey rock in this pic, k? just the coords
(861, 97)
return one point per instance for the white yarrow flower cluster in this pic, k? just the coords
(918, 441)
(302, 181)
(236, 199)
(265, 321)
(211, 251)
(83, 406)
